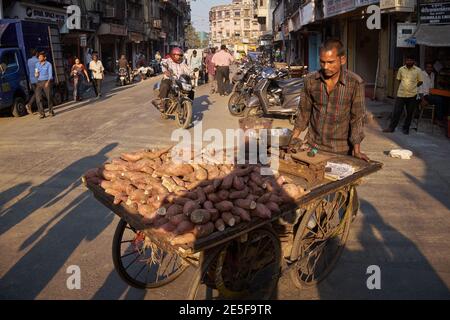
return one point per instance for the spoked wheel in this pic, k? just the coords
(184, 114)
(253, 112)
(236, 104)
(140, 265)
(321, 237)
(239, 270)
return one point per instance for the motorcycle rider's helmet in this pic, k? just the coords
(177, 55)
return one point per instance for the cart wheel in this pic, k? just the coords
(321, 237)
(249, 269)
(134, 263)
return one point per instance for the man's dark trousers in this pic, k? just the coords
(411, 106)
(223, 79)
(40, 87)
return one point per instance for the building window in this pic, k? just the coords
(247, 24)
(237, 13)
(227, 14)
(247, 33)
(236, 22)
(261, 3)
(247, 13)
(228, 33)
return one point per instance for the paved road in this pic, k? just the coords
(49, 222)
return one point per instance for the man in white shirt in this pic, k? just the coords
(195, 63)
(97, 69)
(426, 98)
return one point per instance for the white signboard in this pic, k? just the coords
(334, 7)
(83, 40)
(405, 33)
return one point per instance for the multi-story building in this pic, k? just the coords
(235, 25)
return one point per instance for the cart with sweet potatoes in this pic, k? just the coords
(304, 241)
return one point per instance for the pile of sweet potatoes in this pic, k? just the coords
(190, 201)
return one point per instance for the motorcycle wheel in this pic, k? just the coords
(184, 114)
(236, 104)
(253, 112)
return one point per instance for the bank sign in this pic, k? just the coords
(435, 13)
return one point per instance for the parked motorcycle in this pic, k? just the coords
(274, 95)
(243, 82)
(178, 104)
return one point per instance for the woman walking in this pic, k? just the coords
(77, 72)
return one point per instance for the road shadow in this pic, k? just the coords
(82, 219)
(11, 193)
(201, 104)
(405, 273)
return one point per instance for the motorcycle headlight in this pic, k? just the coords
(186, 86)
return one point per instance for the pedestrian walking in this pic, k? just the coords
(31, 77)
(410, 78)
(77, 72)
(222, 60)
(97, 69)
(211, 70)
(195, 63)
(44, 74)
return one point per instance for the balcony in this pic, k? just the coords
(135, 25)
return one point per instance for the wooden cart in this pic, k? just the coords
(245, 261)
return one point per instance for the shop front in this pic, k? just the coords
(112, 44)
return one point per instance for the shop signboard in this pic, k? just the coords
(334, 7)
(435, 13)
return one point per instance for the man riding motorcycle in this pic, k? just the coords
(123, 63)
(174, 65)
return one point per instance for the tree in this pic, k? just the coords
(192, 38)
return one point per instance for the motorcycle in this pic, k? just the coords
(124, 77)
(243, 82)
(274, 95)
(178, 104)
(144, 72)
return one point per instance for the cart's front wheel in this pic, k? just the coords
(142, 265)
(244, 268)
(321, 237)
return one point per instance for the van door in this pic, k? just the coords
(13, 78)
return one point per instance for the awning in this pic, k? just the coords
(433, 35)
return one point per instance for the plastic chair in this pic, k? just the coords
(430, 107)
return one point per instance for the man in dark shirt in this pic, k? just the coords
(332, 105)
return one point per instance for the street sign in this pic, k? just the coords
(83, 40)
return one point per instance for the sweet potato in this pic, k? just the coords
(178, 181)
(213, 171)
(213, 197)
(273, 207)
(245, 204)
(243, 171)
(174, 210)
(186, 238)
(120, 162)
(276, 199)
(172, 169)
(281, 180)
(209, 189)
(147, 210)
(216, 183)
(183, 227)
(227, 182)
(261, 211)
(252, 197)
(133, 156)
(224, 206)
(138, 195)
(115, 167)
(223, 194)
(256, 178)
(167, 228)
(187, 194)
(228, 218)
(215, 214)
(153, 155)
(264, 198)
(237, 211)
(238, 184)
(120, 198)
(189, 207)
(225, 169)
(169, 184)
(219, 224)
(203, 230)
(200, 173)
(239, 194)
(201, 195)
(178, 218)
(110, 175)
(107, 185)
(181, 201)
(200, 216)
(237, 219)
(208, 205)
(113, 192)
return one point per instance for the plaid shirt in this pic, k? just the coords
(335, 120)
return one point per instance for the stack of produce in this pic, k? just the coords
(186, 202)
